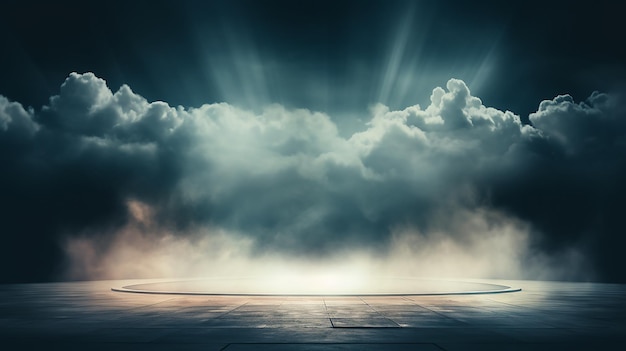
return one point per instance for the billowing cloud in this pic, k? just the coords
(454, 177)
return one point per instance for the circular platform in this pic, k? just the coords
(327, 286)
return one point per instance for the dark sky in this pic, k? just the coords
(74, 150)
(329, 56)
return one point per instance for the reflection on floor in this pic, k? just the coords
(316, 285)
(88, 315)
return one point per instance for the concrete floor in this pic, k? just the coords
(89, 316)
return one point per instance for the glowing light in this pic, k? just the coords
(322, 284)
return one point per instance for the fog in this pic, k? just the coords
(115, 186)
(478, 244)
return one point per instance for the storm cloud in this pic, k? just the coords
(91, 163)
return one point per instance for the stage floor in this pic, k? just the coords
(89, 316)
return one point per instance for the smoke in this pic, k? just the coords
(123, 187)
(142, 248)
(478, 243)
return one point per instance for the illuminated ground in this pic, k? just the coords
(88, 315)
(316, 285)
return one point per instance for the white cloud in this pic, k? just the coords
(596, 123)
(14, 116)
(287, 179)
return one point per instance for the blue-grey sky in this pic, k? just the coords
(323, 55)
(311, 127)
